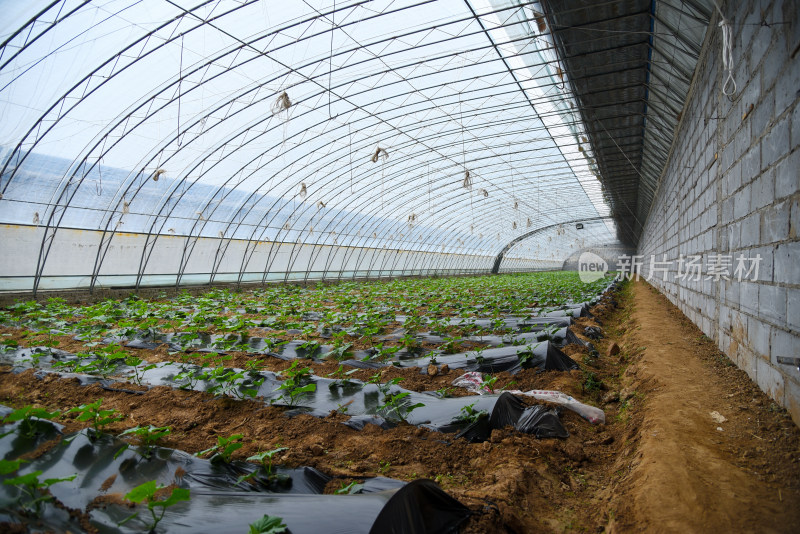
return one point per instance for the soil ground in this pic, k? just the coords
(661, 462)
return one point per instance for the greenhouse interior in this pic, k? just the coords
(399, 266)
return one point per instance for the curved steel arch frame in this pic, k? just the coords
(439, 244)
(499, 258)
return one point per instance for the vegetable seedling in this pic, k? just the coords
(27, 426)
(135, 362)
(148, 436)
(147, 493)
(470, 415)
(265, 458)
(349, 489)
(269, 524)
(224, 448)
(99, 418)
(32, 490)
(294, 387)
(393, 404)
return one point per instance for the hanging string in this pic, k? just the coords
(98, 186)
(428, 170)
(180, 83)
(727, 53)
(467, 177)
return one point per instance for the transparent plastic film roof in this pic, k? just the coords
(183, 142)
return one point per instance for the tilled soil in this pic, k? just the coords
(659, 462)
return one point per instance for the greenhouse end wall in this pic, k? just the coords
(730, 191)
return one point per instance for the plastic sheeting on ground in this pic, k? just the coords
(473, 382)
(218, 501)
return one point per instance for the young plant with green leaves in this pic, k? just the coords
(341, 378)
(352, 488)
(138, 373)
(99, 418)
(33, 492)
(269, 524)
(265, 458)
(148, 436)
(296, 384)
(224, 449)
(396, 407)
(488, 383)
(526, 354)
(28, 417)
(147, 493)
(470, 415)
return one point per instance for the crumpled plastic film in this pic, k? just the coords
(472, 381)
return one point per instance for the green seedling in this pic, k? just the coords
(444, 392)
(294, 386)
(384, 466)
(229, 382)
(269, 524)
(526, 354)
(341, 378)
(310, 346)
(265, 459)
(99, 418)
(384, 388)
(146, 493)
(273, 344)
(470, 415)
(478, 354)
(224, 448)
(451, 345)
(488, 383)
(340, 352)
(410, 342)
(33, 492)
(393, 404)
(190, 376)
(8, 345)
(148, 436)
(254, 366)
(591, 382)
(135, 362)
(349, 489)
(25, 415)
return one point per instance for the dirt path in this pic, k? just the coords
(690, 473)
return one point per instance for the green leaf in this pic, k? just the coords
(28, 479)
(9, 466)
(142, 492)
(268, 525)
(304, 389)
(50, 481)
(177, 495)
(121, 450)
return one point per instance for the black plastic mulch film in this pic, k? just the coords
(218, 503)
(222, 504)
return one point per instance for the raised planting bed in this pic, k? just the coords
(322, 382)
